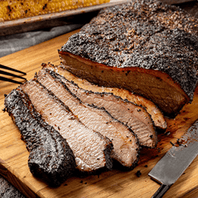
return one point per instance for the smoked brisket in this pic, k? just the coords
(51, 158)
(90, 148)
(125, 144)
(146, 47)
(156, 115)
(132, 115)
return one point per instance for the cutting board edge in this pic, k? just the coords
(16, 182)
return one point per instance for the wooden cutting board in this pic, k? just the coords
(115, 183)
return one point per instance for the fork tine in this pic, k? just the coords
(10, 74)
(8, 68)
(9, 80)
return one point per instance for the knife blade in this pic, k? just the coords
(172, 165)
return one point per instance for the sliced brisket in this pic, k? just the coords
(151, 108)
(128, 113)
(50, 156)
(91, 149)
(143, 46)
(125, 145)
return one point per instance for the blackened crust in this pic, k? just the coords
(144, 34)
(51, 158)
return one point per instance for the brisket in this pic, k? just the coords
(151, 108)
(91, 149)
(51, 158)
(128, 113)
(125, 144)
(146, 47)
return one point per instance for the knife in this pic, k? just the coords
(176, 160)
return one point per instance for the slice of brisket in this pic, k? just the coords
(125, 143)
(91, 149)
(128, 113)
(51, 158)
(143, 46)
(151, 108)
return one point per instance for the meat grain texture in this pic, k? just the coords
(146, 47)
(133, 116)
(51, 158)
(91, 149)
(156, 115)
(125, 144)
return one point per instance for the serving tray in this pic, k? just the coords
(111, 184)
(34, 22)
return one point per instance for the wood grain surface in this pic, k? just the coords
(115, 183)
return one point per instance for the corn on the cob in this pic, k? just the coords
(16, 9)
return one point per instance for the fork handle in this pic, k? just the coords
(161, 191)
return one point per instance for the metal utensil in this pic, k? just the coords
(176, 160)
(6, 73)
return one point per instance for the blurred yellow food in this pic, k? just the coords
(16, 9)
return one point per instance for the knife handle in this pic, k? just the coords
(161, 191)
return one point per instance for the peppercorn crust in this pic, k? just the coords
(142, 34)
